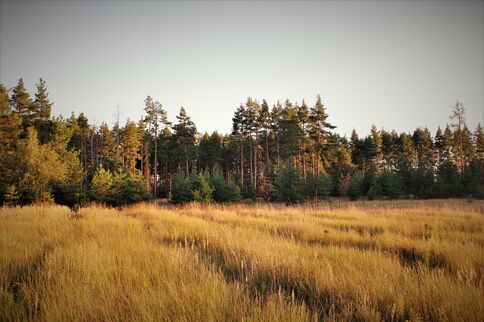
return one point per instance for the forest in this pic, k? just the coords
(287, 152)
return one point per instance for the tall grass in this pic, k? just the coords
(367, 261)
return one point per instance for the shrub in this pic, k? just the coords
(388, 184)
(181, 189)
(318, 186)
(288, 185)
(354, 190)
(200, 188)
(224, 191)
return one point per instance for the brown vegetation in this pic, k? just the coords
(407, 260)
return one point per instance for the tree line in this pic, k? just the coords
(286, 152)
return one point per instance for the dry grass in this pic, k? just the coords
(346, 261)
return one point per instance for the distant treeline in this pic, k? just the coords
(288, 152)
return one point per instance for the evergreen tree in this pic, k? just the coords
(184, 139)
(130, 146)
(319, 130)
(287, 184)
(181, 191)
(101, 185)
(22, 104)
(156, 118)
(200, 188)
(43, 106)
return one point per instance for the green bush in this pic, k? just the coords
(200, 188)
(318, 187)
(388, 184)
(181, 189)
(354, 190)
(287, 184)
(224, 191)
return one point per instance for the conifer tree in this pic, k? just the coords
(22, 104)
(43, 106)
(184, 138)
(156, 119)
(131, 146)
(319, 130)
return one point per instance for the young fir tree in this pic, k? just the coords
(102, 185)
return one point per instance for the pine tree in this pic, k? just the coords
(468, 148)
(319, 130)
(265, 122)
(479, 140)
(376, 148)
(238, 131)
(131, 146)
(22, 104)
(9, 122)
(458, 122)
(276, 124)
(156, 119)
(184, 139)
(43, 106)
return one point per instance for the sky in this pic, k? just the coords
(398, 65)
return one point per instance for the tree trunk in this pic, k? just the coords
(251, 169)
(155, 167)
(242, 162)
(256, 150)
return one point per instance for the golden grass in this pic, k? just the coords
(373, 261)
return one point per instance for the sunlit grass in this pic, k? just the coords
(358, 261)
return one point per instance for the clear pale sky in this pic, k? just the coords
(393, 64)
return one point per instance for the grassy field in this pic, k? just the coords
(395, 261)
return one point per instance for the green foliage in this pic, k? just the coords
(200, 188)
(101, 185)
(356, 186)
(388, 184)
(129, 188)
(423, 181)
(288, 185)
(448, 180)
(11, 196)
(318, 187)
(181, 189)
(224, 191)
(42, 167)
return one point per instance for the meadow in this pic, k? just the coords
(360, 261)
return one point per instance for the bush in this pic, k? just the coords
(128, 188)
(224, 191)
(200, 188)
(318, 187)
(388, 184)
(288, 185)
(423, 182)
(11, 196)
(181, 189)
(102, 185)
(448, 181)
(354, 190)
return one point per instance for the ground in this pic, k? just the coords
(382, 260)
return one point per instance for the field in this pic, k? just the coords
(395, 261)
